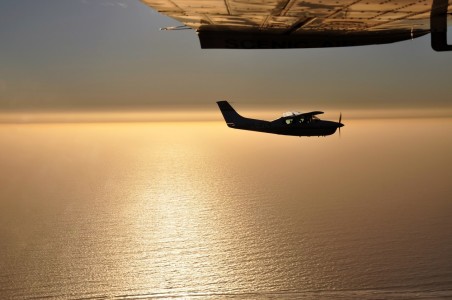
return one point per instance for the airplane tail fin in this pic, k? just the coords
(231, 117)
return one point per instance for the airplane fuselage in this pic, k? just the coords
(315, 128)
(294, 124)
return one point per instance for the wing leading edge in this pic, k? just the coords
(279, 24)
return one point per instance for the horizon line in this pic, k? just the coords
(56, 117)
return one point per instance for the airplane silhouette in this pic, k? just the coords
(291, 123)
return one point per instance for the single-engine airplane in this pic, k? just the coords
(291, 123)
(278, 24)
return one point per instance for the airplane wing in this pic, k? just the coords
(276, 24)
(312, 113)
(298, 115)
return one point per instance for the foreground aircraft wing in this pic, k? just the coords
(273, 24)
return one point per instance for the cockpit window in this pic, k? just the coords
(289, 121)
(291, 114)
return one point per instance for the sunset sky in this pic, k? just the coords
(109, 55)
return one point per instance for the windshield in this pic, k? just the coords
(291, 114)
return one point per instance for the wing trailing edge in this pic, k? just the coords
(244, 40)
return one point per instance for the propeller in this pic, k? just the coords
(340, 124)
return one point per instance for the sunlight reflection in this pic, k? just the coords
(174, 224)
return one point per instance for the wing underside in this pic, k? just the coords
(300, 23)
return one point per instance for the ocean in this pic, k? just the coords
(196, 210)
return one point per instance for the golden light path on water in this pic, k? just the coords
(170, 210)
(187, 194)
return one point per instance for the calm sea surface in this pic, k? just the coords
(198, 210)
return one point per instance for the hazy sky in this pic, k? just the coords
(75, 55)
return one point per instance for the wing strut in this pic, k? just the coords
(438, 25)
